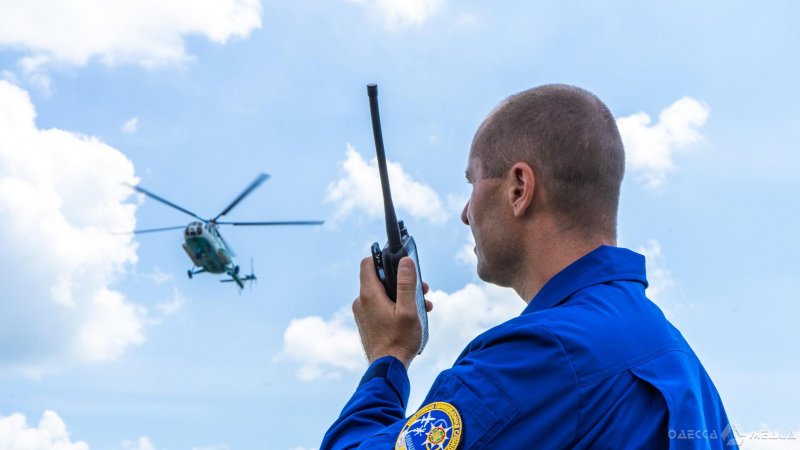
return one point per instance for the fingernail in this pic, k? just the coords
(405, 266)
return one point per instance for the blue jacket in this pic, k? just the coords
(590, 363)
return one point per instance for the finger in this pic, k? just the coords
(425, 287)
(367, 270)
(370, 284)
(407, 286)
(428, 305)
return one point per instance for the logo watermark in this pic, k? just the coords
(731, 436)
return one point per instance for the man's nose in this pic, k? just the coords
(464, 217)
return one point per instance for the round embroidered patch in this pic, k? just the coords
(436, 426)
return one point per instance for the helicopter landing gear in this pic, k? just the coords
(190, 273)
(236, 270)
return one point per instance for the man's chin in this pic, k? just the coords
(492, 277)
(483, 273)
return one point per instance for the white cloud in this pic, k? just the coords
(171, 306)
(658, 277)
(108, 326)
(662, 288)
(143, 443)
(326, 348)
(321, 347)
(33, 72)
(130, 126)
(9, 76)
(60, 256)
(460, 316)
(157, 276)
(145, 32)
(50, 434)
(359, 189)
(403, 13)
(649, 149)
(466, 255)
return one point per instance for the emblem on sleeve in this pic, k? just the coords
(436, 426)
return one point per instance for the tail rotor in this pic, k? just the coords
(253, 278)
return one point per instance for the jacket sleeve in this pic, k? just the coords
(513, 388)
(379, 401)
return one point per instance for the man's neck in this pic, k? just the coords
(547, 257)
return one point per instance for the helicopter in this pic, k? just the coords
(204, 244)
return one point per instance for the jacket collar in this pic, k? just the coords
(601, 265)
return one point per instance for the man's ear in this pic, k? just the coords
(522, 185)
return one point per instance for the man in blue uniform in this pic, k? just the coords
(590, 362)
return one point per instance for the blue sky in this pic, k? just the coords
(104, 342)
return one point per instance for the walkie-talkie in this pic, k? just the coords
(400, 243)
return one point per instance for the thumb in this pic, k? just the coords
(407, 285)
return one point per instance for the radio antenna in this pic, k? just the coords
(392, 229)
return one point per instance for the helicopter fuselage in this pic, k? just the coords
(205, 248)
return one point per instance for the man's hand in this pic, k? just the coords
(388, 328)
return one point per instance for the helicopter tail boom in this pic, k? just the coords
(234, 276)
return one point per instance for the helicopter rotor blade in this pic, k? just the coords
(155, 230)
(166, 202)
(292, 222)
(228, 246)
(256, 183)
